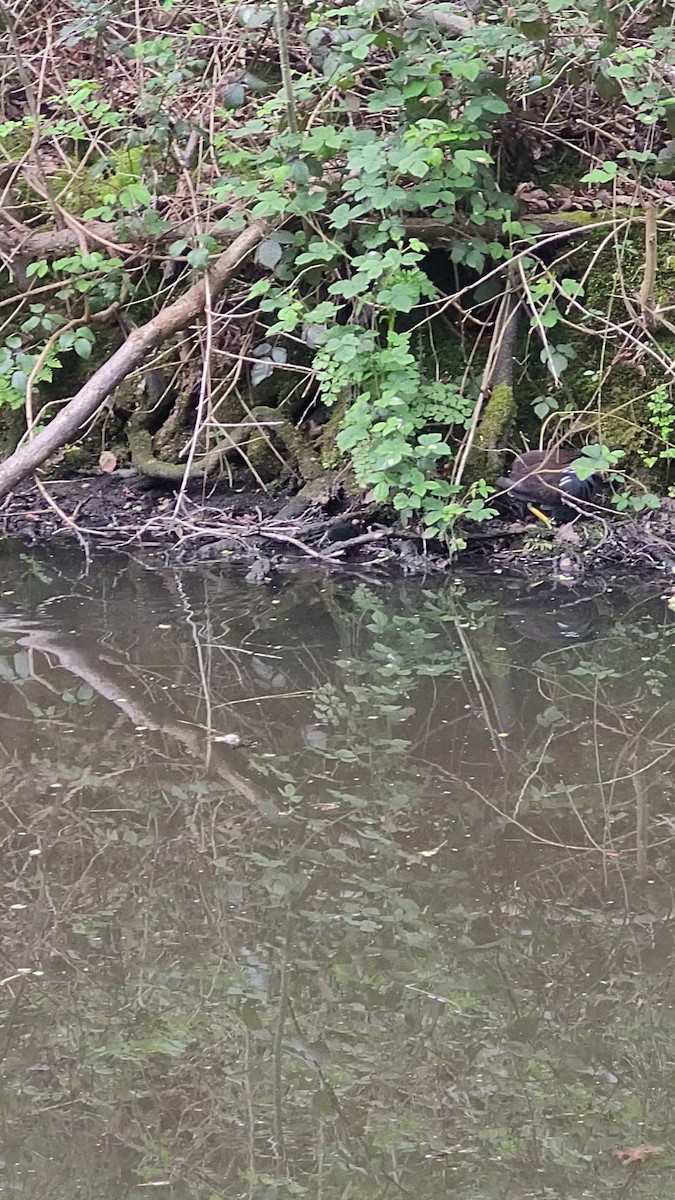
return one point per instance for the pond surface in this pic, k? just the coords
(336, 887)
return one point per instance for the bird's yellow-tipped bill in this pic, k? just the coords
(542, 516)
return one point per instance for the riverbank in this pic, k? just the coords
(253, 529)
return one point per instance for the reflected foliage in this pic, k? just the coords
(333, 889)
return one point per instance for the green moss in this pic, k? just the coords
(330, 455)
(606, 388)
(597, 216)
(493, 431)
(16, 137)
(12, 417)
(79, 189)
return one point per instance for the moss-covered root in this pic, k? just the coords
(299, 451)
(298, 448)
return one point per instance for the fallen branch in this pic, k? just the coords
(130, 355)
(19, 242)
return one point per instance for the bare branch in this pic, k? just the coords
(131, 354)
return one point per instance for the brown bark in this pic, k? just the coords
(31, 245)
(130, 355)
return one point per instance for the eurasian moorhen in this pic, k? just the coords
(542, 478)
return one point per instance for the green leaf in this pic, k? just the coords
(350, 437)
(234, 96)
(608, 89)
(604, 174)
(341, 216)
(271, 205)
(402, 297)
(534, 31)
(350, 288)
(324, 312)
(135, 196)
(40, 269)
(198, 258)
(571, 287)
(300, 172)
(381, 492)
(316, 252)
(669, 106)
(268, 254)
(82, 347)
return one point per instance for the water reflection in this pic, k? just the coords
(332, 888)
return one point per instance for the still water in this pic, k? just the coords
(333, 887)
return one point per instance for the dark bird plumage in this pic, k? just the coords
(543, 478)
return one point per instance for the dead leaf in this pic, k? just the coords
(568, 535)
(637, 1154)
(107, 462)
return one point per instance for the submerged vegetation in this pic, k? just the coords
(372, 245)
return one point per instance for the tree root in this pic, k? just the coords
(131, 354)
(300, 454)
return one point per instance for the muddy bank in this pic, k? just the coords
(254, 530)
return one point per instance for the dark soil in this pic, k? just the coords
(121, 510)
